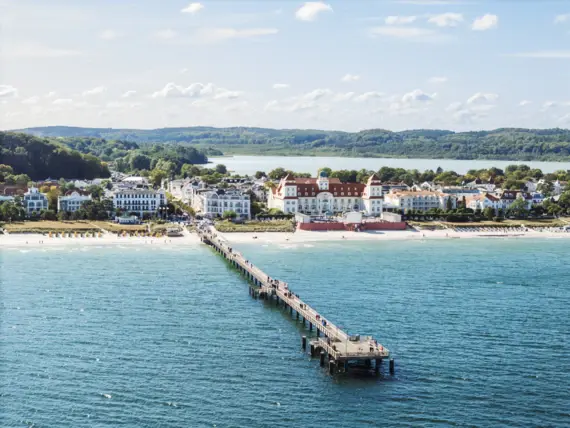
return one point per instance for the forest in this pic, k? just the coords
(40, 158)
(501, 144)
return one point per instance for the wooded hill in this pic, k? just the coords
(40, 158)
(506, 143)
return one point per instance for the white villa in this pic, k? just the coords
(35, 201)
(139, 200)
(72, 202)
(324, 195)
(483, 201)
(422, 200)
(213, 202)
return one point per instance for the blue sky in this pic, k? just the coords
(349, 65)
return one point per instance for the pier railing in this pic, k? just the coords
(337, 343)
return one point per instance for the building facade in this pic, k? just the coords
(72, 202)
(139, 200)
(419, 201)
(214, 202)
(34, 201)
(323, 195)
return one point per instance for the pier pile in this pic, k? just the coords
(332, 345)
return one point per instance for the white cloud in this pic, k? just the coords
(51, 94)
(129, 94)
(350, 78)
(417, 95)
(481, 98)
(193, 8)
(446, 19)
(368, 96)
(62, 101)
(165, 34)
(213, 35)
(109, 35)
(184, 71)
(543, 54)
(7, 91)
(225, 94)
(525, 103)
(485, 22)
(399, 20)
(310, 10)
(280, 86)
(456, 106)
(343, 96)
(316, 94)
(409, 33)
(559, 19)
(95, 91)
(196, 90)
(30, 50)
(31, 100)
(437, 79)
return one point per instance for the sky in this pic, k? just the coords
(345, 65)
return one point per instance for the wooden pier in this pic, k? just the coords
(333, 345)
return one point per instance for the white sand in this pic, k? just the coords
(299, 237)
(35, 240)
(405, 235)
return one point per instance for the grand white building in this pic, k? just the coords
(214, 202)
(323, 195)
(72, 202)
(34, 201)
(139, 200)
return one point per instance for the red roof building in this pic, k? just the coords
(324, 195)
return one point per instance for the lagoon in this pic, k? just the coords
(250, 164)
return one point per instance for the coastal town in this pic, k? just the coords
(352, 201)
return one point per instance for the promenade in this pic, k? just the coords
(335, 347)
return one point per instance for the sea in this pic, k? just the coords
(310, 164)
(168, 336)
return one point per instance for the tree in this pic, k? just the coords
(95, 191)
(10, 211)
(156, 177)
(48, 215)
(139, 161)
(277, 174)
(52, 196)
(448, 204)
(189, 170)
(518, 209)
(489, 213)
(260, 174)
(227, 215)
(221, 169)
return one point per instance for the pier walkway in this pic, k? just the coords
(331, 341)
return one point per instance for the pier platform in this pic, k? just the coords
(335, 347)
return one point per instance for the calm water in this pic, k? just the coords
(479, 330)
(251, 164)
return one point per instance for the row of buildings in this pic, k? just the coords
(324, 195)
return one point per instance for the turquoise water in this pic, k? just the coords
(479, 329)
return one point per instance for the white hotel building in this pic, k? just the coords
(419, 201)
(35, 201)
(72, 202)
(213, 202)
(139, 200)
(323, 195)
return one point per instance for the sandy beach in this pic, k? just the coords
(407, 235)
(299, 237)
(108, 239)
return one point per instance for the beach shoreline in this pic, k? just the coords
(264, 238)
